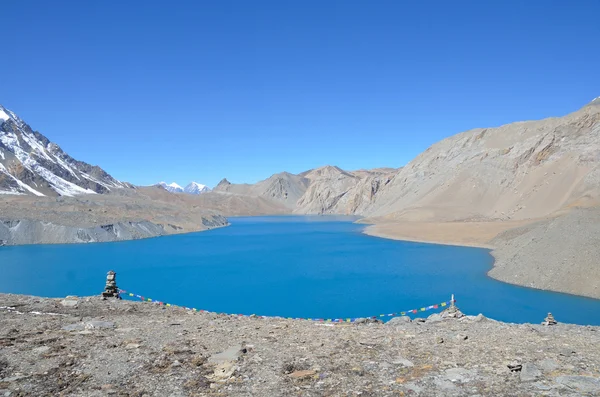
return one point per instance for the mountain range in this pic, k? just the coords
(519, 171)
(191, 188)
(523, 170)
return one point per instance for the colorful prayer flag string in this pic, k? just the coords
(329, 320)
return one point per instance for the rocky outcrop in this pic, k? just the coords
(335, 191)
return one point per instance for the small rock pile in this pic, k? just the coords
(549, 320)
(111, 289)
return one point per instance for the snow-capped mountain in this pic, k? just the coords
(196, 188)
(172, 187)
(31, 164)
(191, 188)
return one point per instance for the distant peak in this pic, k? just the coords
(224, 182)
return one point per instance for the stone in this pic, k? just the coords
(99, 324)
(176, 363)
(461, 337)
(439, 339)
(435, 318)
(307, 373)
(444, 384)
(419, 320)
(399, 321)
(402, 361)
(479, 318)
(529, 373)
(70, 301)
(132, 346)
(74, 327)
(231, 354)
(586, 384)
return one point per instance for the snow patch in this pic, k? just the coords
(3, 116)
(14, 193)
(28, 188)
(62, 187)
(2, 154)
(36, 146)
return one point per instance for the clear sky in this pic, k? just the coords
(202, 90)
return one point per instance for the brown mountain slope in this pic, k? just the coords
(522, 170)
(283, 189)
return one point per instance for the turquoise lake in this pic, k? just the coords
(288, 266)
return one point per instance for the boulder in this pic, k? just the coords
(233, 353)
(529, 373)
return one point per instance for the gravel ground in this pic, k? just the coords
(90, 347)
(558, 254)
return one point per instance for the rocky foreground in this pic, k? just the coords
(91, 347)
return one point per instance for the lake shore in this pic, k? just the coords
(88, 347)
(530, 253)
(465, 234)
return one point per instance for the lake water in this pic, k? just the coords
(287, 266)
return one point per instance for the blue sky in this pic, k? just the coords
(201, 90)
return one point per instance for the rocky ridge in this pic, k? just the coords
(87, 347)
(32, 165)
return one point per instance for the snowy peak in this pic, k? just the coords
(196, 188)
(171, 187)
(32, 165)
(191, 188)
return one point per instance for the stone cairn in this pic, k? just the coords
(549, 320)
(111, 290)
(452, 311)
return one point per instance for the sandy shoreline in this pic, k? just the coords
(466, 234)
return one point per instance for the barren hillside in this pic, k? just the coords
(521, 170)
